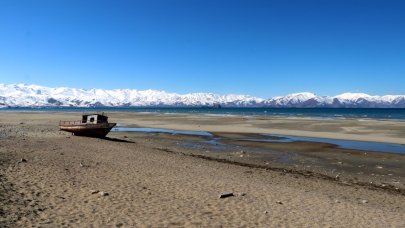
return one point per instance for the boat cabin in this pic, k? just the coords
(94, 119)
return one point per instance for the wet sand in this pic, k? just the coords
(160, 180)
(351, 129)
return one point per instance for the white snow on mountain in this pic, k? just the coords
(353, 96)
(345, 100)
(290, 99)
(21, 95)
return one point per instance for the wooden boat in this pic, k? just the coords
(91, 125)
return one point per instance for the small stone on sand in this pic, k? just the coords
(103, 193)
(226, 194)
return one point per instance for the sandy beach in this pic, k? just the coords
(50, 178)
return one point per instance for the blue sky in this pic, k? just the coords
(261, 48)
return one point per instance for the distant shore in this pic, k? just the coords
(50, 178)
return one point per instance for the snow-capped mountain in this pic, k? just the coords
(345, 100)
(21, 95)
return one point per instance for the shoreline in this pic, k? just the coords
(369, 146)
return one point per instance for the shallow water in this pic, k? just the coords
(161, 130)
(275, 138)
(344, 144)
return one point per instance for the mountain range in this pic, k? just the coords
(22, 95)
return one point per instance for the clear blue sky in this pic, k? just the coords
(261, 48)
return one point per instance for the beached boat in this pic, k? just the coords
(92, 125)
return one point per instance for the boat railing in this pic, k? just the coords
(77, 122)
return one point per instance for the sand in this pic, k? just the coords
(150, 184)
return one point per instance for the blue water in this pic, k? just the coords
(364, 113)
(344, 144)
(161, 130)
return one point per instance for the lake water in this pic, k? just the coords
(363, 113)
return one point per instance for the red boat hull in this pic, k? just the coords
(99, 130)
